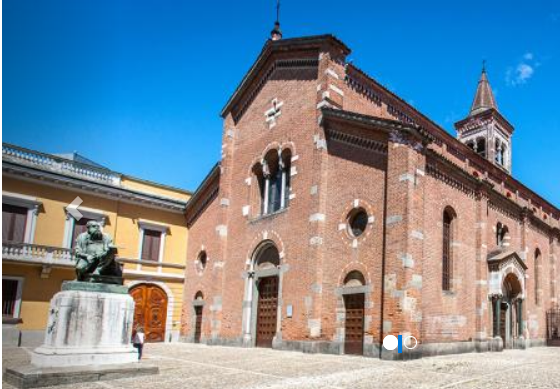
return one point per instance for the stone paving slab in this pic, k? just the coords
(203, 367)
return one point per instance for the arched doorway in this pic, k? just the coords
(265, 266)
(354, 304)
(150, 310)
(198, 306)
(508, 310)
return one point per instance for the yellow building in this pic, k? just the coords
(145, 219)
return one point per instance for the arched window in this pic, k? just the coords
(481, 147)
(502, 239)
(537, 275)
(500, 152)
(273, 176)
(449, 217)
(201, 261)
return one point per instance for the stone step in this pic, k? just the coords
(36, 377)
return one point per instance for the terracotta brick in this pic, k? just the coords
(401, 169)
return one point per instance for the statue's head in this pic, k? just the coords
(94, 230)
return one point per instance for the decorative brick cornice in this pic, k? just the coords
(446, 171)
(400, 130)
(356, 141)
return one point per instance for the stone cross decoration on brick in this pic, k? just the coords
(272, 113)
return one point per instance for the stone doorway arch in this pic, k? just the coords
(263, 292)
(510, 326)
(507, 292)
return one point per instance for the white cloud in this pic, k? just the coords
(523, 71)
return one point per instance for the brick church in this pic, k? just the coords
(339, 214)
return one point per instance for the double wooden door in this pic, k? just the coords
(150, 310)
(267, 311)
(354, 331)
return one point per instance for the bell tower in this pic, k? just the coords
(485, 130)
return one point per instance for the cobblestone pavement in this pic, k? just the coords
(199, 366)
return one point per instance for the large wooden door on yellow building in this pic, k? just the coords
(150, 310)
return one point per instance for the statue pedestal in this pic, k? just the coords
(87, 339)
(89, 324)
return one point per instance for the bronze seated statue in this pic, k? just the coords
(95, 256)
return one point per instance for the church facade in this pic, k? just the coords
(339, 214)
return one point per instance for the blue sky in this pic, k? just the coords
(138, 85)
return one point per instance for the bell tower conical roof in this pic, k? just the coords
(484, 97)
(485, 130)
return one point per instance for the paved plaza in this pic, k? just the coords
(200, 366)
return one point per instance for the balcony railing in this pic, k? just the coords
(33, 253)
(47, 162)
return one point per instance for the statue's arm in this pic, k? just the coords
(80, 249)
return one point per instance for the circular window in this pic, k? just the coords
(201, 262)
(357, 222)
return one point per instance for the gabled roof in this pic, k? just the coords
(497, 257)
(427, 127)
(302, 43)
(484, 97)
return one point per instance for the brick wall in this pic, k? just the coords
(403, 186)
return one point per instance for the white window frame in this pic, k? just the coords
(144, 225)
(88, 213)
(19, 292)
(32, 205)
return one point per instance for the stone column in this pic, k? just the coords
(497, 311)
(277, 340)
(282, 167)
(520, 317)
(266, 175)
(248, 308)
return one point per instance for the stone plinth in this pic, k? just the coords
(37, 377)
(89, 324)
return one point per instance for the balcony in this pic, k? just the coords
(51, 163)
(27, 253)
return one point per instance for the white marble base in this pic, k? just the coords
(88, 328)
(57, 357)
